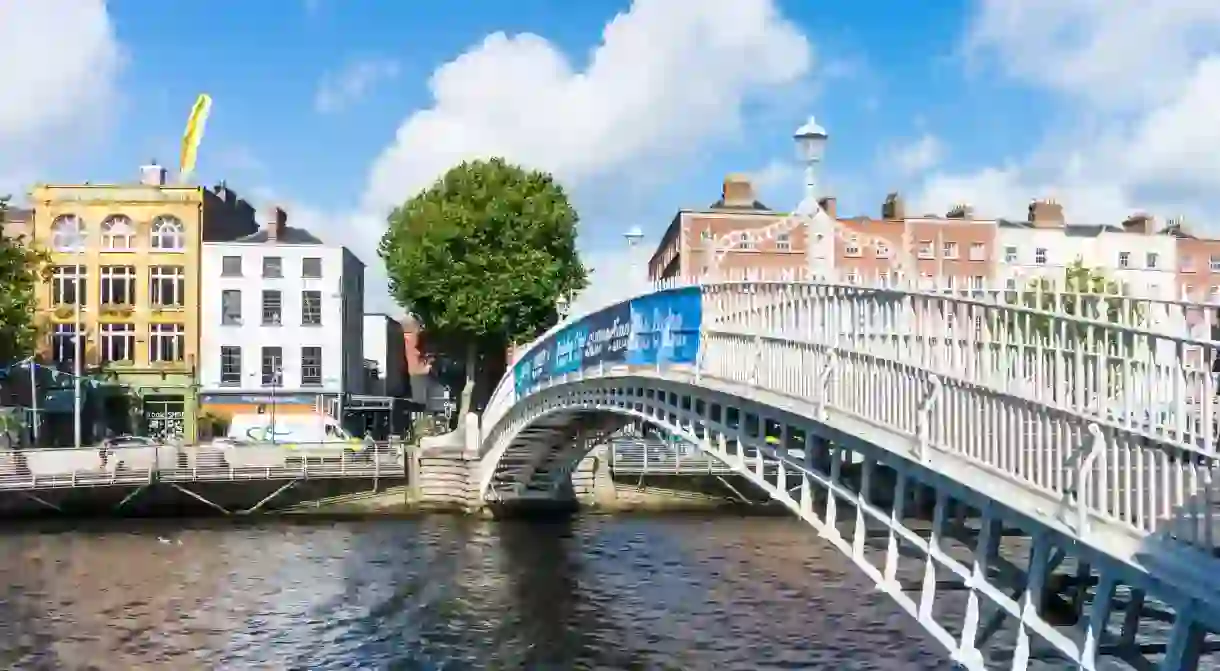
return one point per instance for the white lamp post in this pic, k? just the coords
(811, 146)
(633, 236)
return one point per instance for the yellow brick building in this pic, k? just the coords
(127, 258)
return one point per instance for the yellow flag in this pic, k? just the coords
(193, 134)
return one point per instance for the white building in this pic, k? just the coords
(1134, 254)
(385, 356)
(281, 321)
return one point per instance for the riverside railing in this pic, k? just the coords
(53, 468)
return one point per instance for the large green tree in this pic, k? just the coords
(482, 258)
(21, 268)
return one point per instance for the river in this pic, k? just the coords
(446, 593)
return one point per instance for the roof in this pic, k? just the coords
(288, 235)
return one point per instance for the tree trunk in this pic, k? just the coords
(472, 362)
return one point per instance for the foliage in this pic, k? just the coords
(482, 257)
(21, 271)
(1087, 293)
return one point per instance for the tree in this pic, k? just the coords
(482, 257)
(21, 271)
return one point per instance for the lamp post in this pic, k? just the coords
(811, 147)
(78, 344)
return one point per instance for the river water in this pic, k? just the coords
(447, 593)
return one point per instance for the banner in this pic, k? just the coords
(654, 330)
(665, 327)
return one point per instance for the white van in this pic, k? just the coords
(313, 434)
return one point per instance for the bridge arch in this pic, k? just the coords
(879, 379)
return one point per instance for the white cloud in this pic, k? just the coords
(60, 62)
(776, 178)
(667, 78)
(1139, 81)
(917, 155)
(339, 90)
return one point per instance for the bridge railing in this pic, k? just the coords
(1113, 414)
(654, 457)
(52, 468)
(1106, 402)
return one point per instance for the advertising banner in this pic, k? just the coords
(665, 327)
(659, 329)
(607, 335)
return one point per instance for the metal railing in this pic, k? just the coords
(1105, 402)
(54, 468)
(655, 457)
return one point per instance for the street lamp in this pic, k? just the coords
(561, 307)
(633, 236)
(811, 147)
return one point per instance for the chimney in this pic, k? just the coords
(153, 174)
(893, 209)
(276, 219)
(960, 211)
(829, 206)
(1046, 213)
(738, 192)
(1140, 222)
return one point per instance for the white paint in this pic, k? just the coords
(339, 335)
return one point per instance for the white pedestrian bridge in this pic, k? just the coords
(1043, 462)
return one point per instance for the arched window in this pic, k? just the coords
(67, 233)
(168, 235)
(118, 233)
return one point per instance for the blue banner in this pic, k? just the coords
(665, 327)
(658, 329)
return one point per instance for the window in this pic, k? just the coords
(1214, 263)
(311, 308)
(853, 247)
(273, 266)
(311, 266)
(1124, 259)
(273, 366)
(976, 282)
(1010, 255)
(168, 234)
(1213, 295)
(852, 278)
(1040, 256)
(978, 251)
(230, 266)
(167, 286)
(273, 308)
(950, 250)
(705, 234)
(230, 365)
(118, 285)
(883, 279)
(63, 343)
(118, 234)
(166, 342)
(881, 250)
(67, 233)
(744, 241)
(1010, 284)
(311, 366)
(230, 307)
(68, 286)
(925, 249)
(1150, 259)
(783, 242)
(118, 342)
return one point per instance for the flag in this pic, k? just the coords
(193, 135)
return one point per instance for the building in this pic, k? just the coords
(695, 239)
(282, 322)
(124, 288)
(1198, 272)
(1137, 254)
(385, 363)
(953, 251)
(16, 223)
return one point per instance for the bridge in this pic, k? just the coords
(1051, 456)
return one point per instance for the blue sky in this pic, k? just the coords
(334, 108)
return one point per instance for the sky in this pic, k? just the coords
(338, 110)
